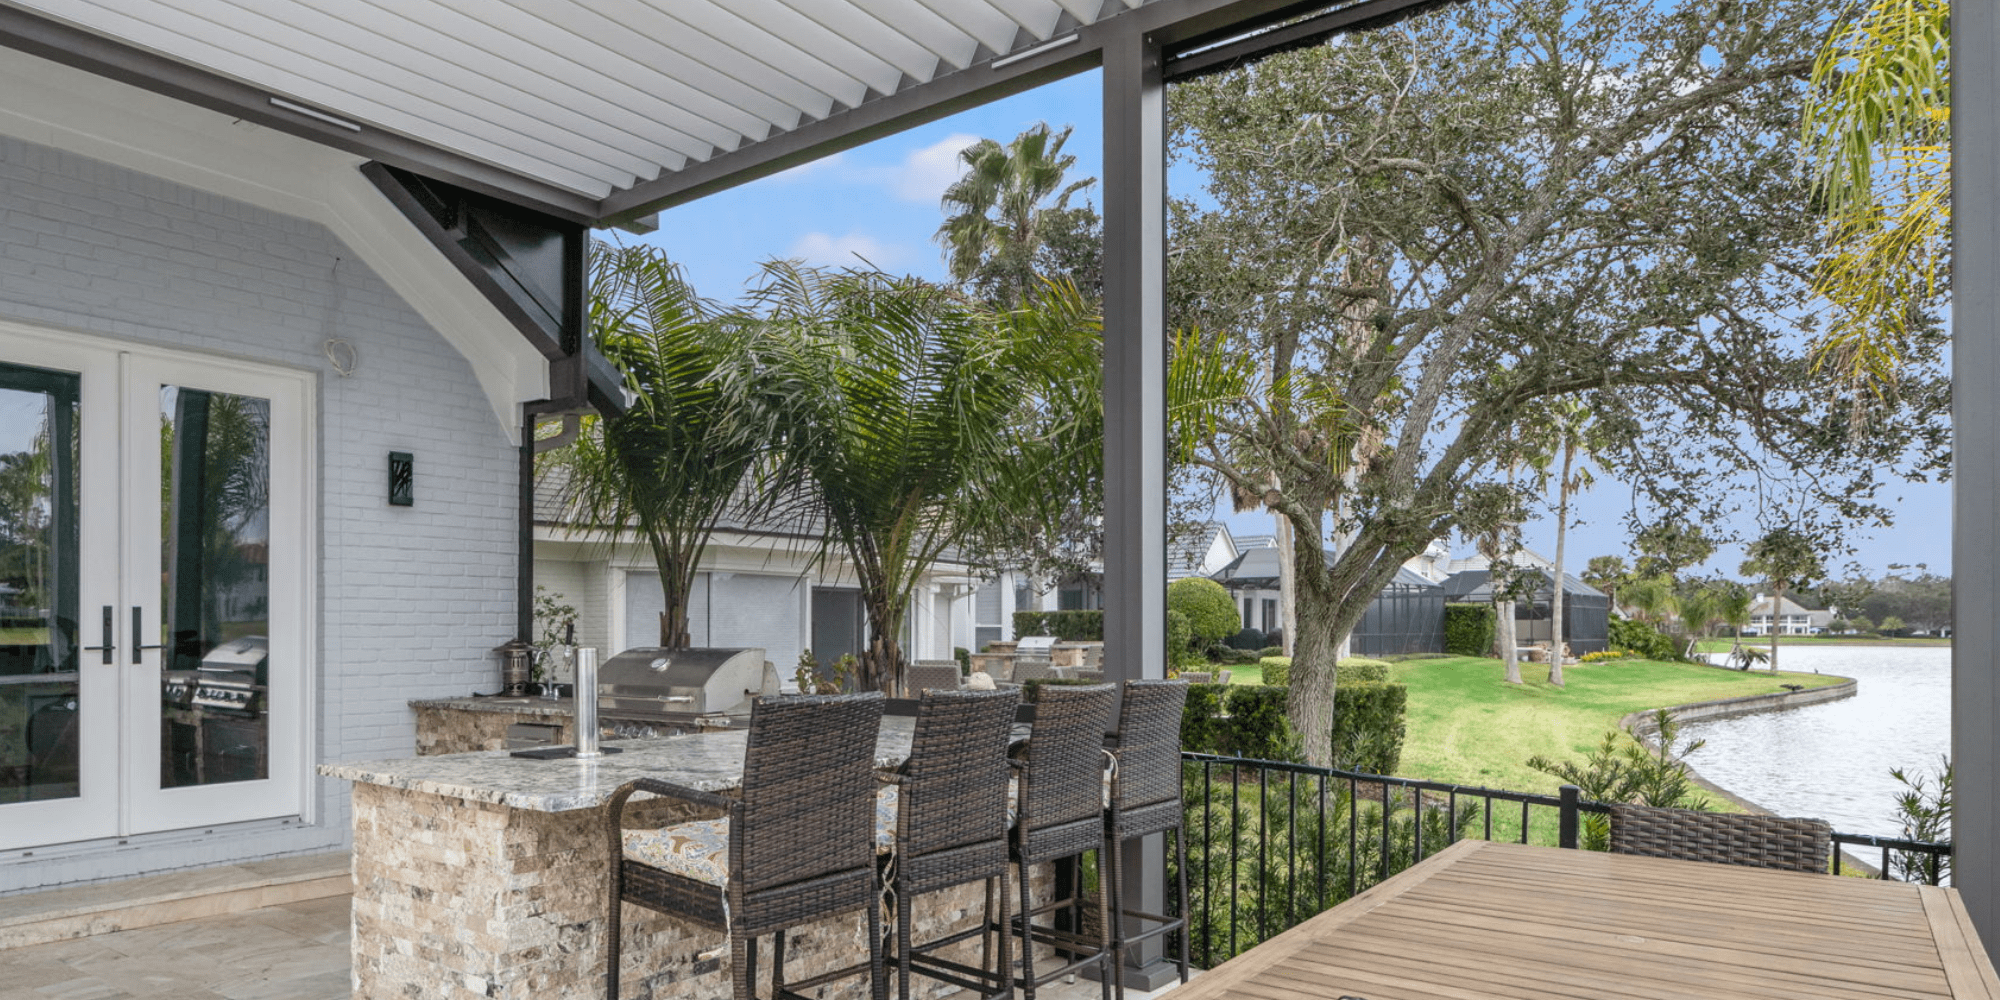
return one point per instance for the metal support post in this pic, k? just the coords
(1975, 696)
(1135, 418)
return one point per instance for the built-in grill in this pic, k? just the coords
(649, 691)
(231, 679)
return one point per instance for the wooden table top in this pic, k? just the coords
(1486, 920)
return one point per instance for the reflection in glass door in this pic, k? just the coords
(40, 743)
(215, 516)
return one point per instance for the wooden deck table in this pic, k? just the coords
(1486, 920)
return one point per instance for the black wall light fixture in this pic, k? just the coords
(402, 479)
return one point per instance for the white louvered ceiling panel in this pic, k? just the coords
(593, 96)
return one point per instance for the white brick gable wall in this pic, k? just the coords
(411, 600)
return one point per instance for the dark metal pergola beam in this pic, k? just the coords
(1205, 58)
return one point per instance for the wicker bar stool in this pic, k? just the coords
(925, 676)
(1144, 799)
(941, 822)
(1060, 773)
(796, 848)
(1798, 845)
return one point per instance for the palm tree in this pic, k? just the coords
(1732, 606)
(1788, 559)
(902, 407)
(998, 214)
(1877, 141)
(1606, 573)
(1570, 434)
(677, 460)
(1652, 597)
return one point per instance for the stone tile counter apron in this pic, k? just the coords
(485, 875)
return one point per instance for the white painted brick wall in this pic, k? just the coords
(411, 599)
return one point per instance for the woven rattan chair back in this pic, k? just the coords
(808, 789)
(1148, 743)
(1032, 668)
(1721, 838)
(1197, 677)
(933, 677)
(1062, 775)
(954, 789)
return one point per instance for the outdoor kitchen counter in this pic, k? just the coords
(709, 762)
(481, 875)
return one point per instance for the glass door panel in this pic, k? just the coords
(40, 745)
(215, 517)
(59, 509)
(220, 538)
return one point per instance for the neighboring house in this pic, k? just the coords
(1406, 617)
(1586, 610)
(760, 584)
(1793, 618)
(1200, 552)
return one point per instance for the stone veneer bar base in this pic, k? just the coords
(456, 900)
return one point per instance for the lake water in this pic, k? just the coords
(1832, 761)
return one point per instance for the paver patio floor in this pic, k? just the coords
(295, 951)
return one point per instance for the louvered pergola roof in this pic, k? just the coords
(604, 110)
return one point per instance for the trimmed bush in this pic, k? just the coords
(1180, 643)
(1277, 670)
(1362, 670)
(1250, 639)
(1468, 629)
(1643, 639)
(1069, 626)
(1257, 726)
(1210, 611)
(964, 658)
(1203, 729)
(1368, 726)
(1367, 735)
(1270, 651)
(1230, 655)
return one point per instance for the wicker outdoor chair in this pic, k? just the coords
(1798, 845)
(1032, 668)
(797, 847)
(1060, 816)
(1222, 677)
(1145, 798)
(942, 821)
(1196, 677)
(931, 676)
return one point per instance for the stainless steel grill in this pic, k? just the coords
(667, 690)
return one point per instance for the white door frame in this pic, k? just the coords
(122, 724)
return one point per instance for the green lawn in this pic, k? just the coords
(1468, 726)
(1724, 645)
(23, 636)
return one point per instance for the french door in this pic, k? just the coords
(154, 540)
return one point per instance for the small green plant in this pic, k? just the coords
(553, 619)
(1625, 770)
(1644, 639)
(1924, 805)
(1180, 644)
(1608, 655)
(964, 658)
(836, 678)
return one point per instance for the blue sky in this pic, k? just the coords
(880, 201)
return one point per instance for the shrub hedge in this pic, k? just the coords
(1277, 669)
(1361, 669)
(1367, 735)
(1468, 629)
(1210, 611)
(1250, 639)
(1069, 626)
(1643, 639)
(1181, 654)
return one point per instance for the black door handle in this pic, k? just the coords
(109, 645)
(138, 645)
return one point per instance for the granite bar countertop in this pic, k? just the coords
(709, 762)
(509, 706)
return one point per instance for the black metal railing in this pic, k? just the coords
(1902, 860)
(1272, 843)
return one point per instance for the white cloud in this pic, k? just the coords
(924, 174)
(826, 250)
